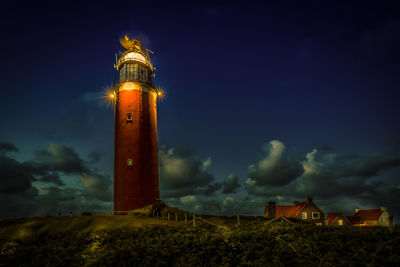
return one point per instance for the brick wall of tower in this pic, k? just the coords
(135, 185)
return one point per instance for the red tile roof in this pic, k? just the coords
(368, 215)
(288, 211)
(332, 216)
(354, 219)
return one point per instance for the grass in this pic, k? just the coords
(215, 241)
(34, 226)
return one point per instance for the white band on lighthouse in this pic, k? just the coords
(135, 86)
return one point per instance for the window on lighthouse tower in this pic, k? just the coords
(129, 117)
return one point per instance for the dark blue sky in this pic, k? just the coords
(290, 77)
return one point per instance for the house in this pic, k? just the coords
(337, 219)
(372, 217)
(355, 220)
(306, 211)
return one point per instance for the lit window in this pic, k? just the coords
(129, 116)
(304, 215)
(315, 215)
(130, 162)
(340, 222)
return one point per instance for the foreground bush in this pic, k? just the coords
(253, 243)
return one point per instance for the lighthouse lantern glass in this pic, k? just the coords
(134, 56)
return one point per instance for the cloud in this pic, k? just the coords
(231, 183)
(64, 159)
(61, 158)
(53, 200)
(7, 147)
(99, 186)
(338, 182)
(310, 166)
(221, 204)
(52, 178)
(276, 169)
(94, 157)
(188, 199)
(329, 174)
(209, 189)
(181, 174)
(207, 163)
(33, 187)
(15, 178)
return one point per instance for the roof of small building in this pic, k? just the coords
(332, 217)
(354, 219)
(288, 211)
(368, 215)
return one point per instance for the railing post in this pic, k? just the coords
(185, 218)
(169, 216)
(194, 220)
(176, 217)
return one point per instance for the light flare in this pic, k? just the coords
(110, 96)
(161, 94)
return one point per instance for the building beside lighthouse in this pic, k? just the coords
(135, 132)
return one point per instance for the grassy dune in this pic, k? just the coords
(26, 228)
(215, 241)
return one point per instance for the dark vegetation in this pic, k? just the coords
(215, 241)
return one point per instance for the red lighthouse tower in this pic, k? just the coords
(135, 137)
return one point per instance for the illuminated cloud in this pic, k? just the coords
(276, 169)
(188, 199)
(181, 174)
(310, 166)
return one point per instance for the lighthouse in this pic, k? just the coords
(135, 131)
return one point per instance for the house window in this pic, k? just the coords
(304, 215)
(340, 222)
(129, 162)
(315, 215)
(129, 117)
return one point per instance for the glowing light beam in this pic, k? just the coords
(161, 94)
(110, 96)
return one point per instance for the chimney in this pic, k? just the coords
(295, 202)
(383, 208)
(271, 209)
(357, 210)
(309, 200)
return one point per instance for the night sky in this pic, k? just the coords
(264, 102)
